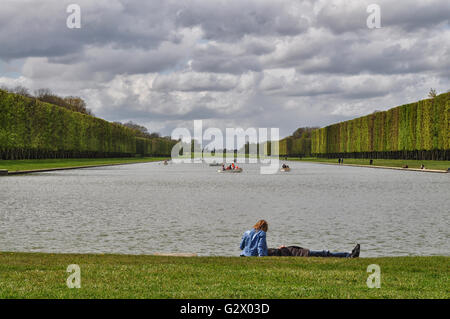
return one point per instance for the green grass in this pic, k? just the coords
(21, 165)
(38, 275)
(440, 165)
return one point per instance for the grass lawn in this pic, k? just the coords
(38, 275)
(22, 165)
(442, 165)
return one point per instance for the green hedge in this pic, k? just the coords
(33, 129)
(291, 146)
(418, 130)
(154, 146)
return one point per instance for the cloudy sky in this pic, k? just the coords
(233, 63)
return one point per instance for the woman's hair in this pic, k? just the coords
(261, 225)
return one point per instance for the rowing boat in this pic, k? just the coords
(287, 169)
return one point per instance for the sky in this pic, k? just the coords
(233, 63)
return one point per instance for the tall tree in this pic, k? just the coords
(141, 131)
(432, 94)
(77, 104)
(21, 90)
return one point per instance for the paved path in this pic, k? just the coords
(386, 167)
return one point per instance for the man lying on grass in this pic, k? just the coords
(254, 243)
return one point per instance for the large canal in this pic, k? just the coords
(148, 208)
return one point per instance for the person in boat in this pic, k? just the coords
(283, 166)
(253, 241)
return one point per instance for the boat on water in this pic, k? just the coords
(237, 170)
(286, 169)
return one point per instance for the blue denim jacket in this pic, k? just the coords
(254, 243)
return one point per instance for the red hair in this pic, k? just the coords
(261, 225)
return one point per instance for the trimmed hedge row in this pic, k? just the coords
(30, 129)
(154, 146)
(291, 146)
(414, 131)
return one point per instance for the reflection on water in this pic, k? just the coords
(147, 208)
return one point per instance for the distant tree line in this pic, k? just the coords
(72, 103)
(32, 129)
(140, 131)
(296, 145)
(418, 130)
(161, 146)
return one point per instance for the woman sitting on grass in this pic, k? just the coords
(254, 243)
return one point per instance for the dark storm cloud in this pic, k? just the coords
(30, 28)
(231, 20)
(380, 56)
(350, 16)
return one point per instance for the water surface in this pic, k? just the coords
(148, 208)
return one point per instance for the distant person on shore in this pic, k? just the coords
(422, 167)
(253, 241)
(342, 161)
(339, 160)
